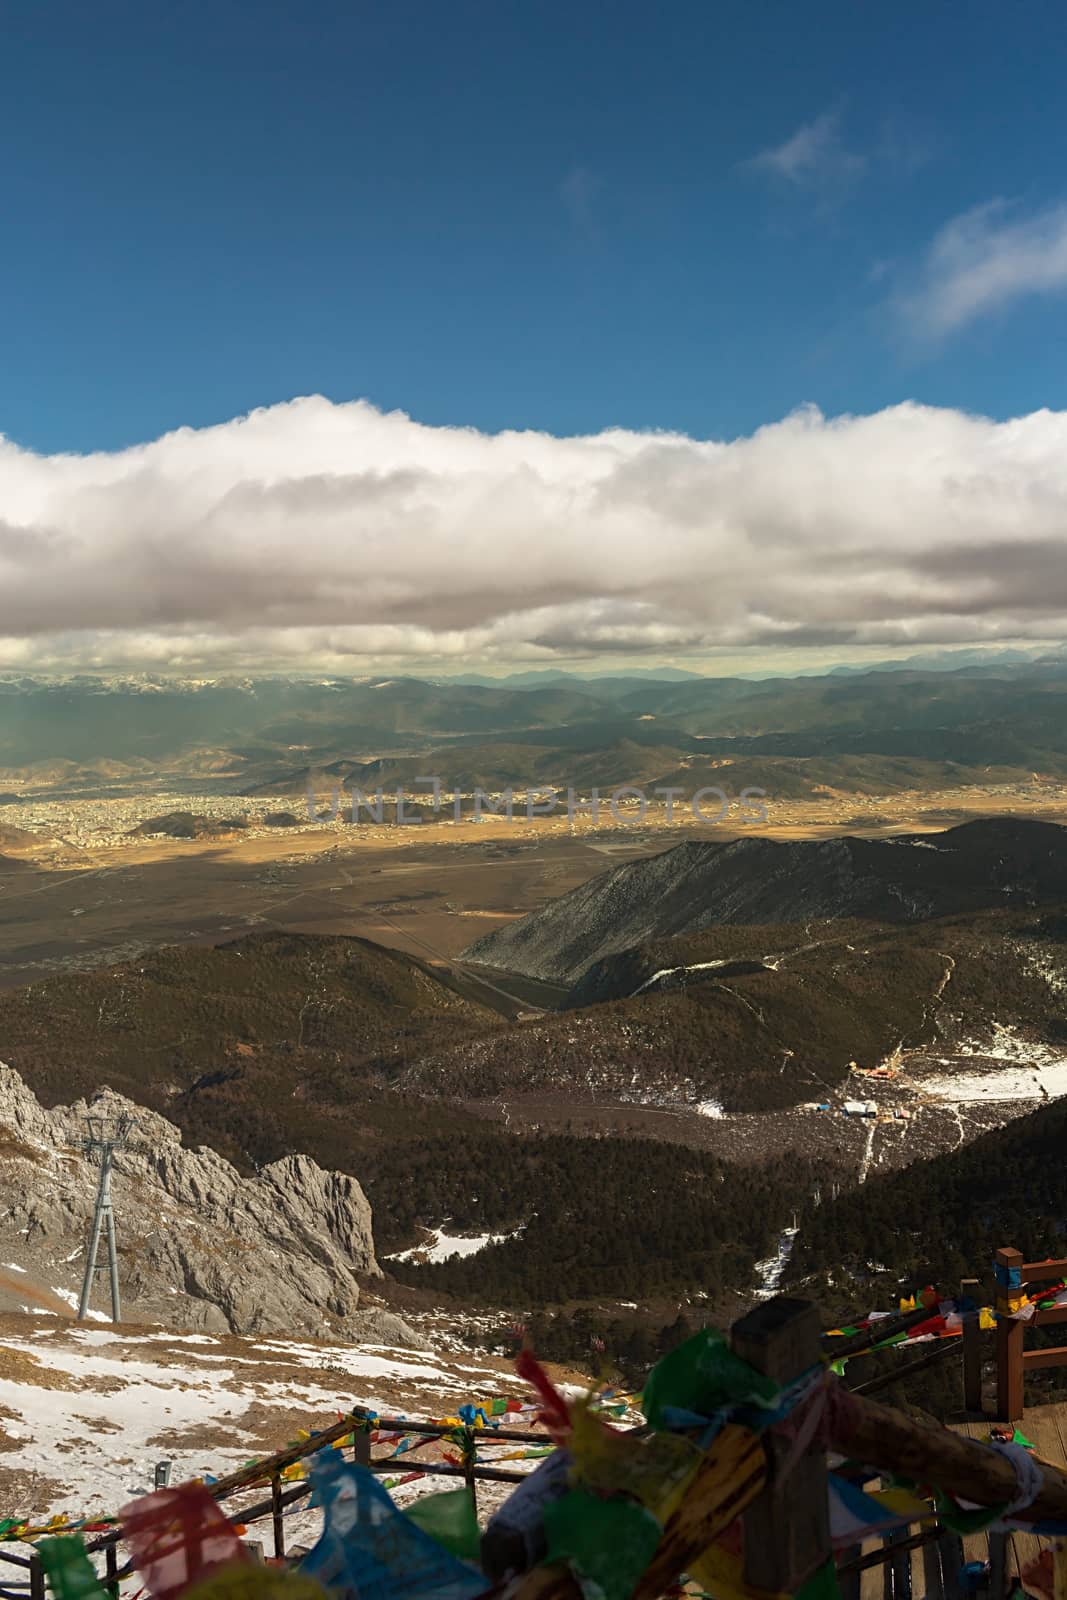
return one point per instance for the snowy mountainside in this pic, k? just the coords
(87, 1412)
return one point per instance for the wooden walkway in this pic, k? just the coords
(1046, 1428)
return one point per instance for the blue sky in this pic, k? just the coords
(564, 217)
(767, 226)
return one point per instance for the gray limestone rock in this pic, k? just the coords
(200, 1246)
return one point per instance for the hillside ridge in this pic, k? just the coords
(755, 880)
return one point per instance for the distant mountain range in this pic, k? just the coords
(989, 722)
(522, 680)
(922, 661)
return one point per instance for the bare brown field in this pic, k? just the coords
(429, 898)
(846, 1143)
(429, 891)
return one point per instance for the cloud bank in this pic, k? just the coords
(814, 157)
(981, 261)
(322, 535)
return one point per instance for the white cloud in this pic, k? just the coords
(983, 260)
(815, 156)
(319, 534)
(578, 191)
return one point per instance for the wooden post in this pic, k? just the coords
(896, 1574)
(111, 1562)
(998, 1566)
(849, 1585)
(972, 1347)
(950, 1550)
(360, 1439)
(469, 1451)
(933, 1582)
(36, 1579)
(1010, 1335)
(361, 1456)
(786, 1529)
(279, 1521)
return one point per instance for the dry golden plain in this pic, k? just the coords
(430, 890)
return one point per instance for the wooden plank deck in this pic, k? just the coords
(1046, 1428)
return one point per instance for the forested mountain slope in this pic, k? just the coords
(1002, 861)
(942, 1219)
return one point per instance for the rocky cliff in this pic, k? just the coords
(199, 1245)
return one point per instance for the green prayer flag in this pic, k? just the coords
(965, 1522)
(68, 1569)
(701, 1376)
(607, 1543)
(450, 1518)
(822, 1585)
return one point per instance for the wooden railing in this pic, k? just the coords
(968, 1349)
(783, 1503)
(784, 1525)
(269, 1474)
(1014, 1361)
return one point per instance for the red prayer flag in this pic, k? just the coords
(178, 1536)
(555, 1412)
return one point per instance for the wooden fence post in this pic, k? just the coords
(933, 1579)
(360, 1439)
(470, 1450)
(849, 1586)
(1010, 1335)
(950, 1549)
(279, 1520)
(896, 1573)
(36, 1578)
(786, 1529)
(998, 1566)
(972, 1347)
(111, 1563)
(361, 1455)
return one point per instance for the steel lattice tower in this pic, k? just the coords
(105, 1136)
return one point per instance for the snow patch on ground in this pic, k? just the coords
(1019, 1070)
(72, 1300)
(710, 1108)
(442, 1246)
(868, 1151)
(1008, 1045)
(669, 972)
(1008, 1083)
(769, 1272)
(89, 1412)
